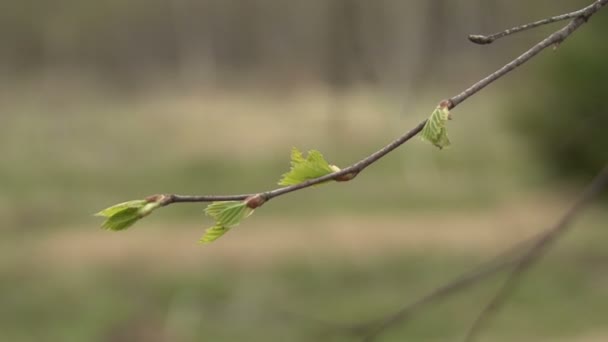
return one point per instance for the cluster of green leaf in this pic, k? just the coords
(226, 214)
(229, 214)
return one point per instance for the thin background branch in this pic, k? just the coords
(533, 254)
(533, 249)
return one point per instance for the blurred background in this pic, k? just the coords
(106, 101)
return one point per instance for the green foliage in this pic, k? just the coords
(229, 214)
(226, 214)
(123, 215)
(303, 169)
(213, 233)
(121, 207)
(564, 119)
(434, 130)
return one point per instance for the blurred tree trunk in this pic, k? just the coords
(193, 29)
(344, 62)
(342, 21)
(432, 48)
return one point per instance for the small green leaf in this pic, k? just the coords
(434, 130)
(108, 212)
(213, 233)
(229, 213)
(122, 220)
(302, 169)
(226, 215)
(123, 215)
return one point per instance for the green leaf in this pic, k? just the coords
(302, 169)
(226, 215)
(229, 213)
(213, 233)
(123, 215)
(108, 212)
(122, 220)
(434, 130)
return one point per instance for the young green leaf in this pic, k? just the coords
(123, 215)
(434, 130)
(213, 233)
(108, 212)
(229, 213)
(121, 220)
(302, 169)
(226, 215)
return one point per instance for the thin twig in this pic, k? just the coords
(556, 38)
(511, 257)
(353, 170)
(533, 254)
(489, 39)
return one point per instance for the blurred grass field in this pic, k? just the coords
(303, 266)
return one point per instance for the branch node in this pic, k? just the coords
(347, 177)
(162, 199)
(447, 103)
(256, 201)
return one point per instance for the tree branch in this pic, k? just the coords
(535, 247)
(353, 170)
(520, 261)
(482, 40)
(556, 38)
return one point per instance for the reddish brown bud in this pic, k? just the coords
(154, 198)
(158, 198)
(446, 104)
(346, 177)
(255, 201)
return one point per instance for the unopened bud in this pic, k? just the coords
(255, 201)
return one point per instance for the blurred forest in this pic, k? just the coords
(290, 42)
(107, 101)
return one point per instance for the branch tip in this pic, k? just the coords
(480, 39)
